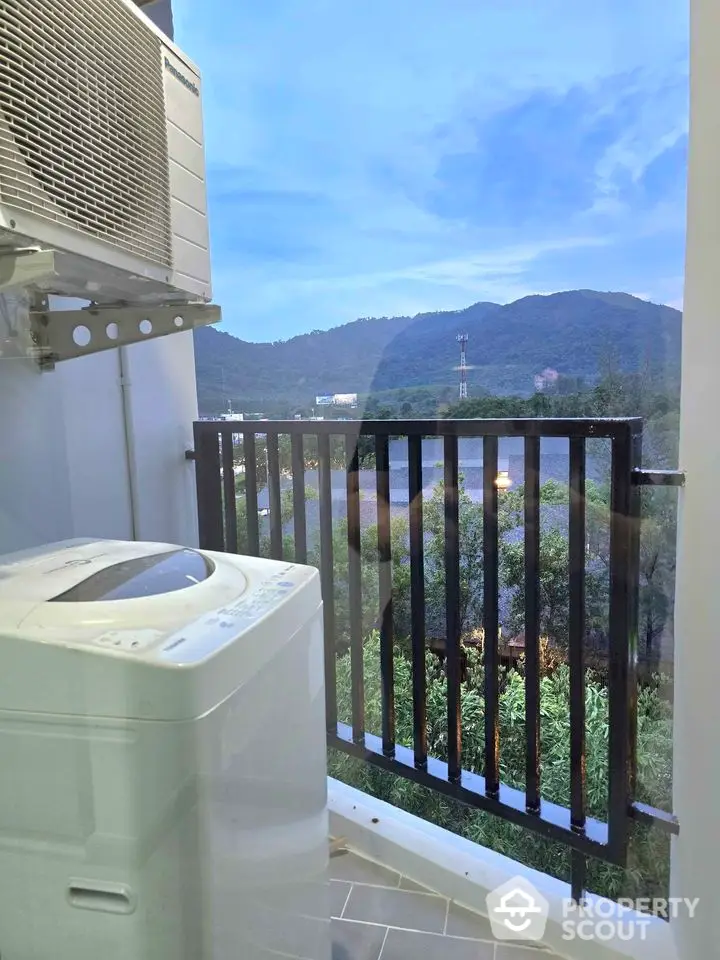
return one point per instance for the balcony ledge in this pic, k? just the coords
(462, 871)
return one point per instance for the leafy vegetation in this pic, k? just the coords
(657, 568)
(647, 873)
(616, 394)
(648, 870)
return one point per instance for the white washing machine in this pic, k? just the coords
(162, 756)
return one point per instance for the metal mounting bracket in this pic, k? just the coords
(66, 334)
(658, 478)
(25, 266)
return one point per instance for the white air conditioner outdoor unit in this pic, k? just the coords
(101, 153)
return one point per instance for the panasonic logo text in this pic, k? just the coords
(192, 87)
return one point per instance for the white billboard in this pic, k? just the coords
(337, 400)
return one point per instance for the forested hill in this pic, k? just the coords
(575, 333)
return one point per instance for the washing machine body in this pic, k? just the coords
(162, 756)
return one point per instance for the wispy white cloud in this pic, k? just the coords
(654, 119)
(377, 158)
(473, 267)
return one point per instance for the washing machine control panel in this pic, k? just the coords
(129, 641)
(219, 627)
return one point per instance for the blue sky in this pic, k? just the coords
(387, 157)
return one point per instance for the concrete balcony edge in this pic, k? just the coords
(466, 872)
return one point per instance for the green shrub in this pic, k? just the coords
(648, 868)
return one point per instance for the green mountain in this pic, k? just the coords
(577, 333)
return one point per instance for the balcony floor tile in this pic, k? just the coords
(424, 912)
(339, 893)
(356, 941)
(355, 869)
(512, 951)
(407, 884)
(379, 915)
(409, 945)
(465, 923)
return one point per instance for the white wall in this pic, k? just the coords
(163, 398)
(35, 501)
(696, 855)
(97, 472)
(63, 453)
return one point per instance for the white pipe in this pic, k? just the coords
(129, 430)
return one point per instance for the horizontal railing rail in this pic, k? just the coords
(228, 450)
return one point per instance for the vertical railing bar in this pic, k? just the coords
(355, 589)
(452, 607)
(229, 505)
(385, 592)
(251, 493)
(417, 599)
(327, 579)
(578, 876)
(577, 619)
(214, 455)
(636, 443)
(209, 489)
(620, 706)
(298, 477)
(490, 614)
(275, 500)
(532, 623)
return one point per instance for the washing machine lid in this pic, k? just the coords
(86, 570)
(148, 631)
(144, 576)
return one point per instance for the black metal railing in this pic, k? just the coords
(220, 446)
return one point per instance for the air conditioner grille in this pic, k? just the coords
(83, 135)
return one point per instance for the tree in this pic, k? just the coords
(553, 593)
(287, 511)
(470, 536)
(658, 526)
(369, 577)
(657, 569)
(648, 874)
(617, 393)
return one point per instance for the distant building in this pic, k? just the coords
(231, 414)
(548, 378)
(337, 400)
